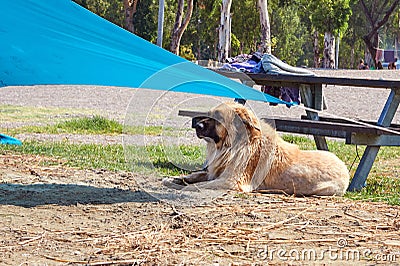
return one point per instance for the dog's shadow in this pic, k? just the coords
(33, 195)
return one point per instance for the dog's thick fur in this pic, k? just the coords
(246, 155)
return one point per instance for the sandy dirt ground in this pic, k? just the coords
(52, 214)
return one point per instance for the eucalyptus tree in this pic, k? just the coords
(265, 26)
(330, 17)
(224, 31)
(130, 8)
(181, 22)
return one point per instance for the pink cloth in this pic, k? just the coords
(379, 55)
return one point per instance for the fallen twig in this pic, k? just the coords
(96, 263)
(30, 240)
(286, 220)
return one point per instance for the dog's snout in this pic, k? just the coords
(205, 128)
(198, 122)
(199, 125)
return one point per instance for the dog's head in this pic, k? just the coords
(226, 124)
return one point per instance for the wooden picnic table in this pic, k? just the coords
(311, 89)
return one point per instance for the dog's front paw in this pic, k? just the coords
(175, 182)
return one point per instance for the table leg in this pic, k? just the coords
(312, 97)
(370, 153)
(249, 83)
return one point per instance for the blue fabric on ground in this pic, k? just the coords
(59, 42)
(4, 139)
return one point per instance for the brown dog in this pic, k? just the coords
(245, 155)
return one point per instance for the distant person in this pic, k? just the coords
(392, 65)
(361, 65)
(379, 65)
(260, 48)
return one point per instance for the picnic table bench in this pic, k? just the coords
(381, 132)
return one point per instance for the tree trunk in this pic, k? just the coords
(368, 59)
(316, 50)
(224, 35)
(329, 50)
(396, 44)
(352, 56)
(160, 24)
(130, 10)
(372, 43)
(353, 62)
(265, 26)
(180, 26)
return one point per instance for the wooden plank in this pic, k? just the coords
(296, 80)
(191, 113)
(322, 128)
(395, 127)
(373, 140)
(304, 126)
(311, 131)
(309, 100)
(301, 126)
(318, 95)
(264, 79)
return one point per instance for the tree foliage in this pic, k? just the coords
(182, 20)
(290, 35)
(293, 23)
(330, 15)
(112, 10)
(246, 24)
(202, 31)
(352, 45)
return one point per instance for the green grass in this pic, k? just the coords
(92, 125)
(75, 121)
(83, 125)
(75, 155)
(379, 188)
(22, 114)
(114, 157)
(383, 181)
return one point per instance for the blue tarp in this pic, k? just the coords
(59, 42)
(4, 139)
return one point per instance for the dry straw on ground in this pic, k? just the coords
(48, 218)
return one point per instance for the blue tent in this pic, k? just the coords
(59, 42)
(4, 139)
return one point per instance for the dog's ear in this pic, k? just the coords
(248, 119)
